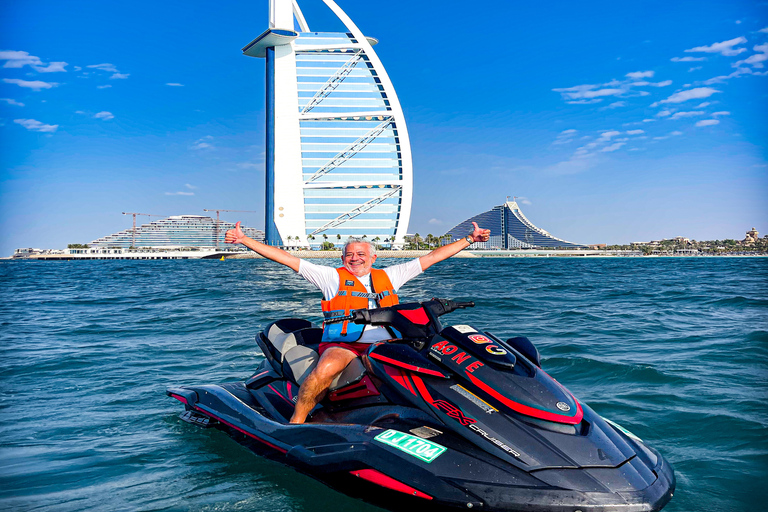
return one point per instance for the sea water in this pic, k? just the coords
(673, 349)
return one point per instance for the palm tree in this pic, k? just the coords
(375, 240)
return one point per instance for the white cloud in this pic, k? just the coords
(584, 102)
(723, 48)
(565, 136)
(703, 105)
(109, 68)
(693, 113)
(690, 94)
(586, 92)
(36, 126)
(435, 222)
(104, 115)
(720, 79)
(53, 67)
(523, 200)
(191, 187)
(676, 133)
(607, 135)
(721, 113)
(249, 165)
(764, 30)
(568, 132)
(202, 144)
(103, 86)
(687, 59)
(179, 193)
(174, 84)
(648, 120)
(708, 122)
(639, 74)
(695, 68)
(17, 59)
(612, 147)
(635, 132)
(757, 59)
(664, 113)
(11, 101)
(615, 104)
(35, 85)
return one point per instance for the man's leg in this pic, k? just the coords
(313, 389)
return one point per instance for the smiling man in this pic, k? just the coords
(354, 285)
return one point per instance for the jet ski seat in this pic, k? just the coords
(291, 347)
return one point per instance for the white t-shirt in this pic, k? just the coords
(327, 280)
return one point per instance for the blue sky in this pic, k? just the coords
(611, 122)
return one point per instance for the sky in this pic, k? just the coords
(611, 122)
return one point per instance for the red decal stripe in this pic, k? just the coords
(390, 483)
(417, 316)
(524, 409)
(407, 366)
(180, 398)
(399, 377)
(423, 390)
(281, 450)
(281, 396)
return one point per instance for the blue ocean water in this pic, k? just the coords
(674, 349)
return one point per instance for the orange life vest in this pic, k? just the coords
(352, 295)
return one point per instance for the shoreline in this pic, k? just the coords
(408, 254)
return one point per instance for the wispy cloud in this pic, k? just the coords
(203, 143)
(103, 86)
(669, 135)
(18, 59)
(692, 113)
(11, 101)
(707, 122)
(613, 147)
(174, 84)
(110, 68)
(615, 104)
(104, 115)
(725, 48)
(757, 59)
(36, 126)
(721, 113)
(435, 222)
(190, 187)
(690, 94)
(687, 59)
(180, 193)
(565, 137)
(635, 132)
(720, 79)
(35, 85)
(594, 93)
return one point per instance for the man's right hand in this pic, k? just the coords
(235, 236)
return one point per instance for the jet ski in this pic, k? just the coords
(441, 418)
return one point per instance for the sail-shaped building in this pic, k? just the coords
(338, 158)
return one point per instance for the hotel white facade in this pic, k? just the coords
(338, 157)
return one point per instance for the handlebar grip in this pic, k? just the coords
(463, 305)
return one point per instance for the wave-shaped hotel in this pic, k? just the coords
(510, 229)
(338, 157)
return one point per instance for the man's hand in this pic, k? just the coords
(480, 235)
(235, 236)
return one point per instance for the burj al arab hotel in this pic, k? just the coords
(338, 158)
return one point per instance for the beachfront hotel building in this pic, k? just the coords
(338, 158)
(177, 231)
(510, 229)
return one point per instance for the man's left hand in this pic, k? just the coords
(480, 235)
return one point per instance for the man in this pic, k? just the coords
(355, 285)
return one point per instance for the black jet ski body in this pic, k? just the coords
(443, 418)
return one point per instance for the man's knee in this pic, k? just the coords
(332, 362)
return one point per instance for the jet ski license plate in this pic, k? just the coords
(412, 445)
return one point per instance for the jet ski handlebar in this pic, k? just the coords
(388, 315)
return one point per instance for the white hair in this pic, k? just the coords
(356, 240)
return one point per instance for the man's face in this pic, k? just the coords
(357, 259)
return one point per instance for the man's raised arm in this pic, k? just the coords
(446, 251)
(236, 236)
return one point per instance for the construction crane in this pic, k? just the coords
(133, 233)
(216, 228)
